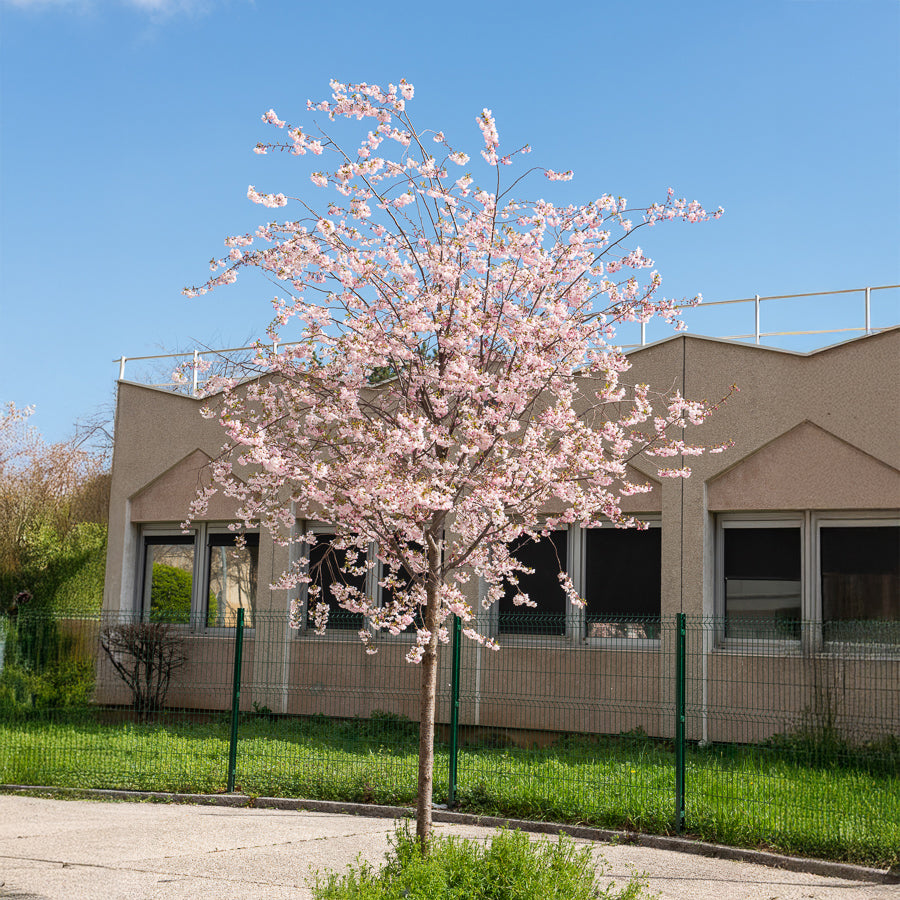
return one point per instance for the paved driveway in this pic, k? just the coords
(89, 850)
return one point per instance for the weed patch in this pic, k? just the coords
(509, 867)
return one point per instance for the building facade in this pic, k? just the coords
(786, 548)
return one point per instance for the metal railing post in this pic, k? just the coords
(756, 309)
(454, 712)
(122, 368)
(680, 642)
(235, 698)
(194, 377)
(868, 310)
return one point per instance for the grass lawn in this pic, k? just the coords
(755, 797)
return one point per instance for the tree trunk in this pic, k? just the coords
(428, 691)
(427, 696)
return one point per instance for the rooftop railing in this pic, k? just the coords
(849, 313)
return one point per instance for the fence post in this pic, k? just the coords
(235, 698)
(680, 642)
(454, 712)
(194, 373)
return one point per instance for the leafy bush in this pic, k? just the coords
(170, 596)
(79, 585)
(25, 693)
(387, 725)
(829, 749)
(509, 867)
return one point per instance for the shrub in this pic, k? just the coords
(24, 693)
(829, 749)
(170, 596)
(390, 726)
(144, 654)
(509, 867)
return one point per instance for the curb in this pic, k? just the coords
(657, 842)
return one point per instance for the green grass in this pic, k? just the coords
(509, 867)
(844, 808)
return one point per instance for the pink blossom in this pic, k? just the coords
(272, 119)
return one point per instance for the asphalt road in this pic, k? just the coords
(90, 850)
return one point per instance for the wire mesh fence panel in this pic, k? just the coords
(327, 720)
(795, 741)
(114, 702)
(569, 722)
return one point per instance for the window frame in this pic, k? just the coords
(377, 593)
(158, 535)
(214, 530)
(575, 618)
(575, 632)
(836, 519)
(512, 638)
(199, 535)
(788, 519)
(810, 522)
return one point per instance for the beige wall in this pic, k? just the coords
(810, 432)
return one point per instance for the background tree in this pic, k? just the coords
(54, 501)
(53, 510)
(494, 320)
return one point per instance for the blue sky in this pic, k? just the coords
(127, 128)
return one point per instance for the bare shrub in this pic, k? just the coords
(144, 654)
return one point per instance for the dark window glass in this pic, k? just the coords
(168, 578)
(860, 571)
(623, 575)
(763, 590)
(326, 566)
(231, 580)
(548, 558)
(405, 577)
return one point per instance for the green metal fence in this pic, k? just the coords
(666, 724)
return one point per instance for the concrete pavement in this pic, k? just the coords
(53, 849)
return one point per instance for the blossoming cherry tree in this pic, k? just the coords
(442, 372)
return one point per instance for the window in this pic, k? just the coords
(405, 579)
(837, 574)
(622, 582)
(548, 557)
(762, 581)
(859, 581)
(168, 584)
(231, 579)
(198, 579)
(326, 566)
(617, 571)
